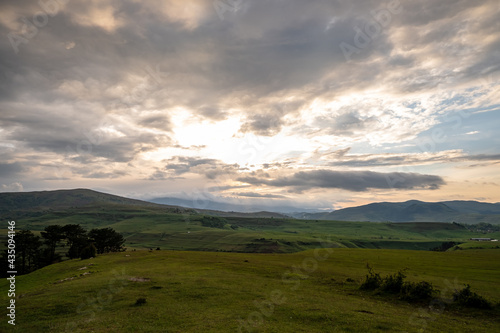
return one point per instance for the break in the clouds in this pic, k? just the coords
(141, 97)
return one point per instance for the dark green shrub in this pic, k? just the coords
(140, 301)
(468, 298)
(444, 246)
(418, 291)
(393, 283)
(90, 251)
(372, 280)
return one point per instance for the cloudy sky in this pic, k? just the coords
(324, 103)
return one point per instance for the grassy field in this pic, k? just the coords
(231, 292)
(152, 227)
(476, 245)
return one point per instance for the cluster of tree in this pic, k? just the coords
(482, 227)
(34, 252)
(444, 246)
(213, 222)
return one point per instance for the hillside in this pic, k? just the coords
(416, 211)
(474, 207)
(59, 199)
(22, 204)
(234, 292)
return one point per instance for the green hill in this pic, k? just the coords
(313, 291)
(61, 199)
(17, 204)
(21, 204)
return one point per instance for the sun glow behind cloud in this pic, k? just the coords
(164, 95)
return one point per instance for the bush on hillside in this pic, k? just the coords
(468, 298)
(393, 283)
(418, 291)
(372, 280)
(90, 251)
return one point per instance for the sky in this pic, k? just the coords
(320, 103)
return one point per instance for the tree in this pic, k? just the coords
(27, 254)
(52, 235)
(88, 252)
(73, 232)
(31, 255)
(106, 240)
(213, 222)
(76, 248)
(28, 251)
(77, 239)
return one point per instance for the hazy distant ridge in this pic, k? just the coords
(415, 211)
(230, 207)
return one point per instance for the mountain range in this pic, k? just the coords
(408, 211)
(17, 204)
(415, 211)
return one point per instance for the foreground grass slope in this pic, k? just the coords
(228, 292)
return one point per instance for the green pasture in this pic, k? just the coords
(311, 291)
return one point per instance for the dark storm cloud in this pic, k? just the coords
(161, 122)
(181, 164)
(426, 12)
(263, 124)
(72, 141)
(350, 180)
(8, 170)
(105, 175)
(212, 113)
(162, 175)
(74, 131)
(482, 157)
(210, 168)
(345, 124)
(226, 187)
(340, 158)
